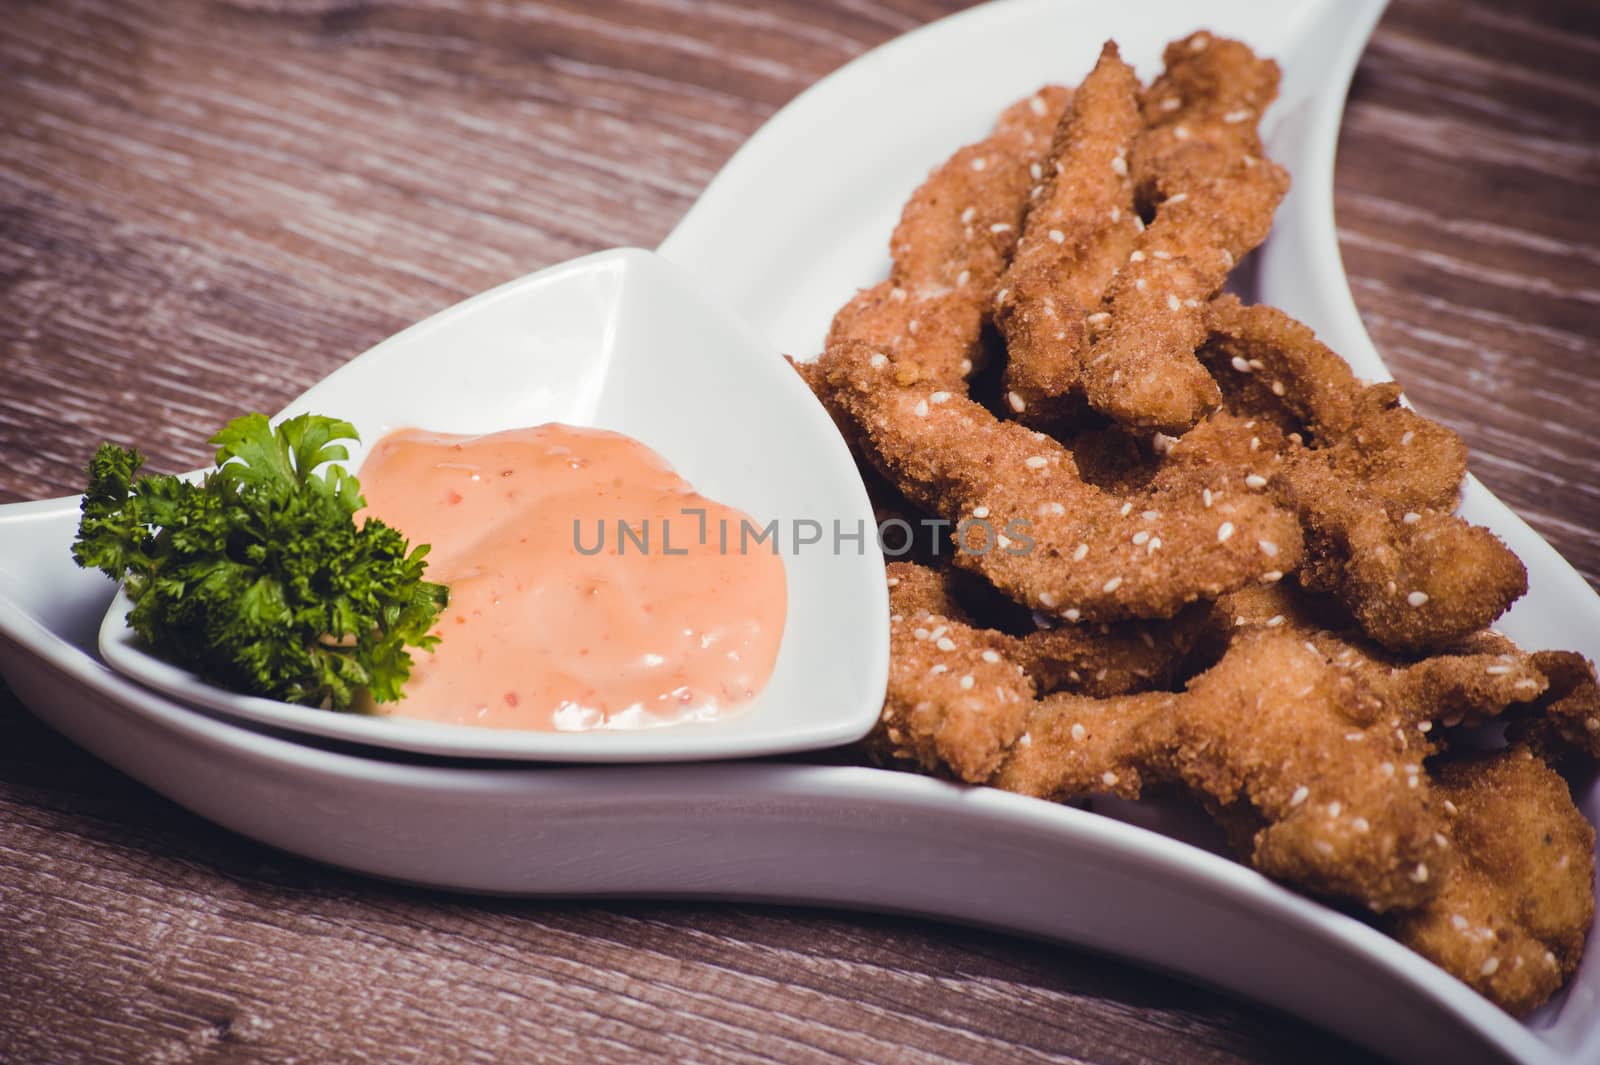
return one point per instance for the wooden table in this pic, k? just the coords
(209, 206)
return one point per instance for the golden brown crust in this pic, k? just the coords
(1071, 549)
(1373, 485)
(954, 239)
(1078, 235)
(1510, 917)
(1199, 163)
(1272, 609)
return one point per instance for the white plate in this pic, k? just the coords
(847, 836)
(621, 340)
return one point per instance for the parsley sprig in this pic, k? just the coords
(258, 578)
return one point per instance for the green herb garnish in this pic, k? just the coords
(258, 578)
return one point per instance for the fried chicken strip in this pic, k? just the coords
(1058, 544)
(1510, 917)
(1199, 163)
(954, 239)
(1079, 233)
(1374, 485)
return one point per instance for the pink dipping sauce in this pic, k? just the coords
(540, 635)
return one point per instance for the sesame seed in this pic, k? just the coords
(1099, 317)
(1079, 554)
(1424, 727)
(967, 682)
(963, 277)
(1142, 536)
(980, 512)
(1155, 545)
(1360, 824)
(1301, 794)
(1387, 769)
(1255, 480)
(1036, 462)
(921, 409)
(1334, 808)
(1162, 255)
(1048, 599)
(938, 632)
(1058, 236)
(1036, 171)
(1037, 106)
(1179, 198)
(1071, 614)
(1056, 509)
(946, 644)
(1079, 733)
(1458, 922)
(1412, 517)
(921, 634)
(1000, 297)
(1112, 585)
(1498, 671)
(940, 668)
(1140, 284)
(1150, 515)
(1000, 227)
(1181, 132)
(1173, 303)
(1323, 847)
(1136, 257)
(968, 215)
(1109, 779)
(1116, 215)
(939, 397)
(991, 656)
(1224, 531)
(1205, 496)
(1417, 598)
(1277, 388)
(1017, 403)
(1274, 621)
(1119, 166)
(1592, 724)
(1240, 364)
(1420, 874)
(1171, 103)
(1268, 548)
(893, 581)
(1490, 966)
(1235, 117)
(879, 360)
(1025, 740)
(1407, 437)
(1127, 508)
(979, 163)
(897, 294)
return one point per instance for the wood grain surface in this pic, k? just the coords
(205, 207)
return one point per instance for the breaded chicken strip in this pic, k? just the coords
(1373, 482)
(1509, 918)
(955, 237)
(1030, 524)
(1198, 163)
(1079, 233)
